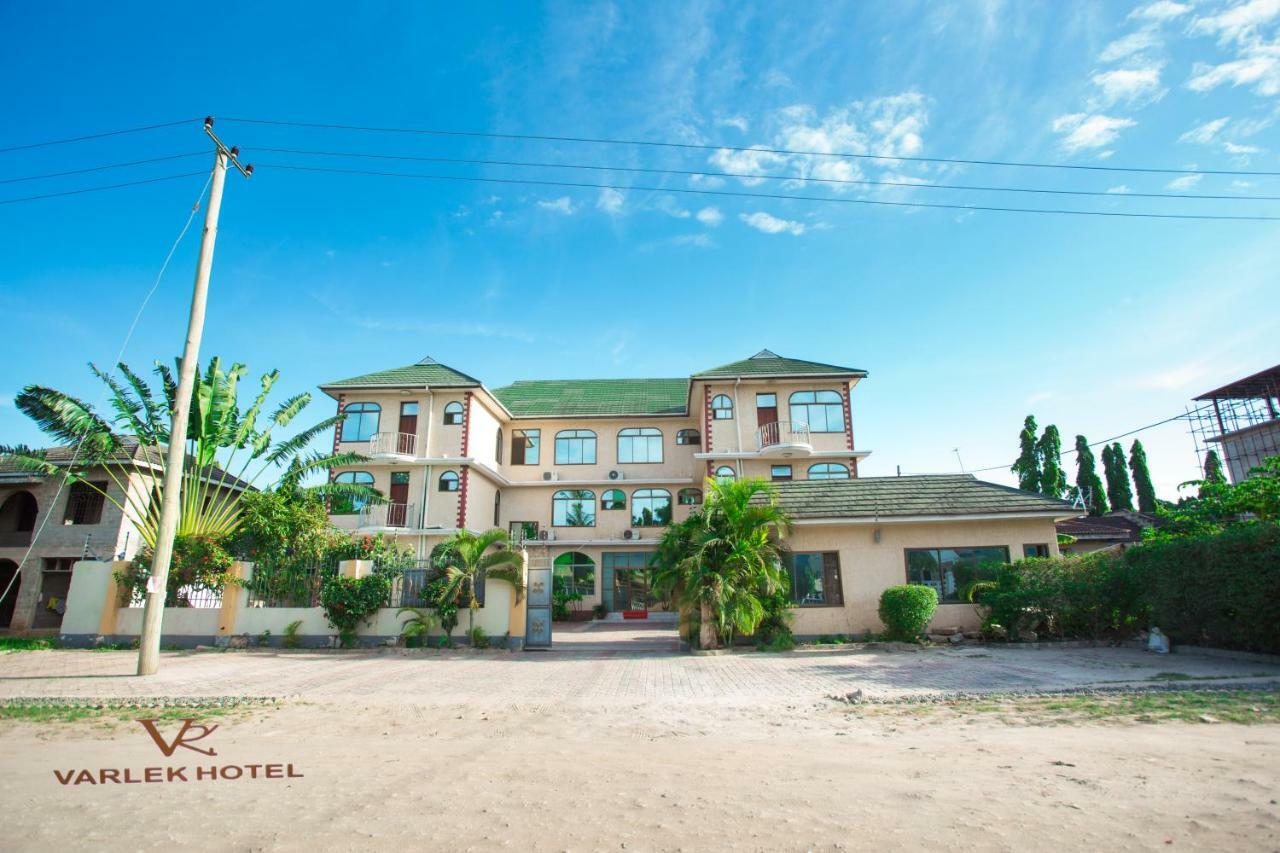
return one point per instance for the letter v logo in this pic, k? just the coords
(183, 738)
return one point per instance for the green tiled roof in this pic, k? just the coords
(426, 372)
(886, 497)
(567, 397)
(766, 363)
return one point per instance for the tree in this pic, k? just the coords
(1142, 484)
(1212, 470)
(1028, 465)
(466, 561)
(1053, 480)
(1087, 479)
(1116, 470)
(1221, 505)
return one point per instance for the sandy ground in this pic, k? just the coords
(683, 776)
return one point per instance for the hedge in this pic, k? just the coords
(906, 610)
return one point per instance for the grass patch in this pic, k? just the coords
(27, 644)
(112, 714)
(1191, 706)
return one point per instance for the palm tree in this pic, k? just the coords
(466, 561)
(724, 559)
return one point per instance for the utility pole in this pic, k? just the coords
(176, 454)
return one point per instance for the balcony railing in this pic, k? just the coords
(389, 515)
(782, 435)
(393, 444)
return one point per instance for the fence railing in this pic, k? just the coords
(393, 444)
(289, 584)
(187, 596)
(389, 515)
(781, 432)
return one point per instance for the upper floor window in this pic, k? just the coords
(361, 422)
(688, 436)
(689, 497)
(823, 411)
(650, 508)
(576, 447)
(453, 414)
(828, 471)
(497, 507)
(639, 444)
(613, 499)
(725, 474)
(448, 482)
(525, 446)
(497, 454)
(573, 508)
(721, 407)
(84, 503)
(780, 472)
(346, 504)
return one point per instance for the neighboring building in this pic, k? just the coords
(591, 470)
(82, 524)
(1112, 531)
(1242, 421)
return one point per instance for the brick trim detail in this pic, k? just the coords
(848, 418)
(466, 423)
(463, 476)
(706, 415)
(337, 432)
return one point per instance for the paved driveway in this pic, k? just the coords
(532, 679)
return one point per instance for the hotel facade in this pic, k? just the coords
(586, 473)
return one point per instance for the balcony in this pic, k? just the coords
(392, 516)
(783, 438)
(393, 445)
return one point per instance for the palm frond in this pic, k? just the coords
(68, 420)
(290, 408)
(295, 445)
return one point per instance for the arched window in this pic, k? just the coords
(721, 407)
(448, 482)
(497, 508)
(576, 573)
(725, 474)
(453, 414)
(823, 411)
(650, 508)
(828, 471)
(688, 436)
(18, 516)
(497, 454)
(347, 504)
(575, 447)
(689, 497)
(361, 422)
(613, 499)
(573, 508)
(639, 445)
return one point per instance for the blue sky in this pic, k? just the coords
(966, 321)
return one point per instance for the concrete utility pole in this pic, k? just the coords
(176, 454)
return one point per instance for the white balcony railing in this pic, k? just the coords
(782, 435)
(379, 516)
(393, 444)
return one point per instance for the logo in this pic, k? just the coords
(182, 739)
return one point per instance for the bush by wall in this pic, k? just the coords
(349, 602)
(906, 610)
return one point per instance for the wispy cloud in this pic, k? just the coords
(770, 224)
(1185, 182)
(710, 216)
(1081, 131)
(1126, 46)
(738, 122)
(1122, 189)
(1258, 66)
(611, 201)
(1238, 23)
(1234, 148)
(1129, 85)
(1204, 134)
(558, 205)
(1161, 10)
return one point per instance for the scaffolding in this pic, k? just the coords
(1241, 420)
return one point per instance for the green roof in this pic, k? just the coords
(766, 363)
(887, 497)
(568, 397)
(426, 372)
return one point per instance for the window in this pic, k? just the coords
(84, 503)
(780, 472)
(453, 414)
(721, 408)
(573, 508)
(650, 508)
(497, 507)
(361, 421)
(613, 499)
(523, 531)
(815, 579)
(725, 474)
(497, 453)
(524, 446)
(1035, 552)
(688, 436)
(347, 504)
(828, 471)
(408, 410)
(639, 445)
(689, 497)
(576, 447)
(767, 401)
(575, 572)
(448, 482)
(951, 571)
(823, 411)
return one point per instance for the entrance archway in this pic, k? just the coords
(18, 519)
(8, 571)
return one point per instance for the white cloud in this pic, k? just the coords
(769, 224)
(735, 121)
(1233, 148)
(1081, 130)
(1239, 23)
(1259, 67)
(1131, 85)
(710, 216)
(747, 162)
(1185, 182)
(559, 205)
(1129, 45)
(668, 205)
(701, 241)
(1161, 10)
(1241, 185)
(1119, 190)
(611, 201)
(1204, 134)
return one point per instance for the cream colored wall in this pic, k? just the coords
(868, 567)
(480, 492)
(725, 433)
(677, 459)
(533, 503)
(483, 431)
(434, 439)
(186, 621)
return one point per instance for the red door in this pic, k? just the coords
(767, 418)
(407, 439)
(398, 509)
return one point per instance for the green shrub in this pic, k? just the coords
(774, 631)
(479, 639)
(1092, 596)
(290, 639)
(446, 611)
(906, 610)
(198, 562)
(351, 602)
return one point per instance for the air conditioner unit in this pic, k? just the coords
(615, 474)
(546, 535)
(628, 534)
(548, 475)
(635, 534)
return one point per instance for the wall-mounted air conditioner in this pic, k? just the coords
(615, 474)
(550, 476)
(547, 535)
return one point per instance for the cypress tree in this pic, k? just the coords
(1213, 475)
(1142, 484)
(1116, 470)
(1053, 480)
(1087, 479)
(1028, 465)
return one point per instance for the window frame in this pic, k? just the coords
(585, 436)
(356, 504)
(718, 409)
(453, 413)
(943, 597)
(636, 434)
(362, 410)
(1035, 551)
(614, 502)
(683, 436)
(732, 476)
(848, 474)
(690, 492)
(574, 565)
(655, 511)
(522, 440)
(805, 405)
(781, 478)
(832, 579)
(449, 481)
(585, 497)
(85, 502)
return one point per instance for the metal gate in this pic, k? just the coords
(537, 620)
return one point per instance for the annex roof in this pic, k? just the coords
(768, 363)
(130, 450)
(918, 495)
(599, 397)
(427, 372)
(1264, 383)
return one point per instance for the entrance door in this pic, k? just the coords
(537, 631)
(398, 509)
(406, 441)
(8, 568)
(767, 418)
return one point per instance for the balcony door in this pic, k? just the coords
(408, 427)
(398, 509)
(767, 418)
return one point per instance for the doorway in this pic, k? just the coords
(406, 441)
(8, 571)
(398, 509)
(767, 417)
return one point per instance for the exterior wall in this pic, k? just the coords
(868, 567)
(677, 459)
(534, 504)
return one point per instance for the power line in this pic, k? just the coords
(100, 189)
(753, 175)
(759, 150)
(96, 135)
(104, 168)
(772, 196)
